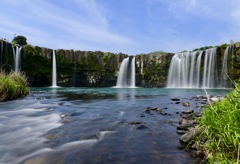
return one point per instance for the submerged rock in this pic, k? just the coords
(186, 104)
(175, 99)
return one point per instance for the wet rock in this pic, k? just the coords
(142, 115)
(190, 135)
(147, 111)
(183, 121)
(197, 114)
(188, 111)
(181, 131)
(135, 123)
(186, 104)
(75, 114)
(38, 160)
(185, 126)
(141, 127)
(186, 116)
(50, 136)
(175, 99)
(215, 99)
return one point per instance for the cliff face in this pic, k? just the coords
(98, 69)
(152, 69)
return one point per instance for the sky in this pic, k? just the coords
(126, 26)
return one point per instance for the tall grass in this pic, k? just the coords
(221, 121)
(12, 86)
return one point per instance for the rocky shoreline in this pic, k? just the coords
(190, 132)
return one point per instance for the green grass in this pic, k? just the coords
(221, 121)
(12, 86)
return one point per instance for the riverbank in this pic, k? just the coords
(13, 86)
(215, 136)
(221, 123)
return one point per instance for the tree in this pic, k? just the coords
(19, 39)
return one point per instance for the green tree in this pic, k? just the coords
(19, 39)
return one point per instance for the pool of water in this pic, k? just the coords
(95, 125)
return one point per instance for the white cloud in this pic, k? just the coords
(84, 21)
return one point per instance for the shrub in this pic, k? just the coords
(12, 86)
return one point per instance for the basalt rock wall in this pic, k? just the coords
(96, 68)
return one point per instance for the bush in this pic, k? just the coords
(12, 86)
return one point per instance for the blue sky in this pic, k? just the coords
(127, 26)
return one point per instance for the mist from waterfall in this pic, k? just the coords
(197, 69)
(17, 57)
(126, 74)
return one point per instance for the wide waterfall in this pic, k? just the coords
(196, 70)
(54, 70)
(126, 74)
(17, 57)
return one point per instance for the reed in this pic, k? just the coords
(12, 86)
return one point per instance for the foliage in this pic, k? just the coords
(221, 121)
(203, 48)
(12, 86)
(19, 39)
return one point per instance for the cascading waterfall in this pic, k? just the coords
(133, 81)
(54, 70)
(126, 76)
(17, 57)
(224, 73)
(185, 70)
(210, 75)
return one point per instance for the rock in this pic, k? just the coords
(135, 123)
(187, 116)
(142, 115)
(187, 137)
(186, 104)
(182, 131)
(198, 114)
(175, 99)
(188, 111)
(147, 111)
(215, 99)
(141, 127)
(185, 126)
(38, 160)
(183, 121)
(178, 102)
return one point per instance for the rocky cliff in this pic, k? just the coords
(97, 69)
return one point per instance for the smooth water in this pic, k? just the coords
(95, 125)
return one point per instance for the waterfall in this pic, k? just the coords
(185, 70)
(126, 74)
(133, 81)
(210, 76)
(54, 70)
(17, 57)
(224, 79)
(198, 69)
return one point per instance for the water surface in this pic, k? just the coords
(95, 125)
